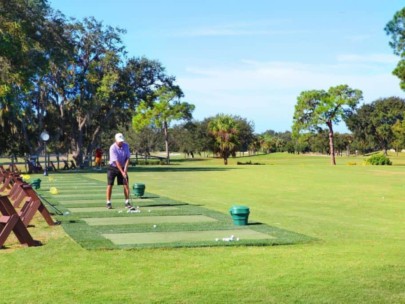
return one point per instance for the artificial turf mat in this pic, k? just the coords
(162, 222)
(186, 236)
(112, 221)
(104, 209)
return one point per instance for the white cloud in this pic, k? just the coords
(370, 58)
(266, 92)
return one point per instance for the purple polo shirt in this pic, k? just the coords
(119, 154)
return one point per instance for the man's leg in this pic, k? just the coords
(126, 191)
(110, 183)
(125, 185)
(109, 190)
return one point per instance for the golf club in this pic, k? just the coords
(58, 212)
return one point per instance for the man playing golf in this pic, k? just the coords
(118, 166)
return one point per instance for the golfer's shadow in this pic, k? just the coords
(165, 205)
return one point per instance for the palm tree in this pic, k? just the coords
(224, 129)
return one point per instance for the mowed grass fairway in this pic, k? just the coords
(356, 214)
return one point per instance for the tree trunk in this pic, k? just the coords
(78, 155)
(225, 155)
(331, 145)
(92, 144)
(165, 129)
(25, 135)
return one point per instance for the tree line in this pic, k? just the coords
(75, 80)
(379, 125)
(71, 78)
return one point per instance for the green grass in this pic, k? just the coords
(355, 212)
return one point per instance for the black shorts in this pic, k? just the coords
(112, 173)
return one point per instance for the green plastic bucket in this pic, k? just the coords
(240, 215)
(138, 189)
(36, 183)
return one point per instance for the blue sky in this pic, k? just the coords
(253, 58)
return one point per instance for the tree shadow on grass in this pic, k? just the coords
(165, 205)
(146, 197)
(177, 169)
(164, 168)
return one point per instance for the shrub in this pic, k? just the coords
(379, 160)
(248, 163)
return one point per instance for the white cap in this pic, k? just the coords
(119, 137)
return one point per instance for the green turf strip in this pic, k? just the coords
(73, 188)
(73, 195)
(147, 220)
(70, 197)
(179, 224)
(185, 236)
(98, 209)
(78, 203)
(73, 184)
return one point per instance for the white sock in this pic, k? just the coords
(108, 202)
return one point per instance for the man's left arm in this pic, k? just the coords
(127, 161)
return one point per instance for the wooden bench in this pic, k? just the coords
(6, 180)
(32, 205)
(52, 165)
(34, 168)
(66, 165)
(10, 221)
(13, 168)
(21, 192)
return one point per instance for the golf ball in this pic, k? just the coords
(154, 226)
(149, 210)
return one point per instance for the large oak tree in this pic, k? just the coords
(372, 123)
(32, 39)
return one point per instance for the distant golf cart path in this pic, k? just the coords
(79, 203)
